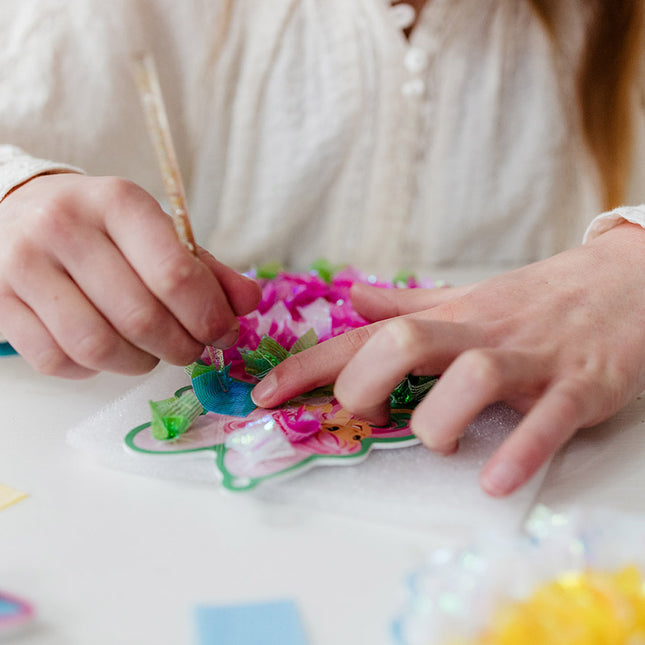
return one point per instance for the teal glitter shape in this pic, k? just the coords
(235, 401)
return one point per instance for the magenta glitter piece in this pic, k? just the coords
(299, 424)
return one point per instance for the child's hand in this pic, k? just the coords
(562, 341)
(93, 277)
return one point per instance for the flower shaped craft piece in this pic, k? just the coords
(251, 445)
(308, 431)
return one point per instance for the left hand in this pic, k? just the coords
(561, 340)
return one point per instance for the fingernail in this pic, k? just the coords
(264, 390)
(429, 442)
(503, 478)
(248, 278)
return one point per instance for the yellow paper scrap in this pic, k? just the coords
(9, 496)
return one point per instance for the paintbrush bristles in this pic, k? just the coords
(147, 80)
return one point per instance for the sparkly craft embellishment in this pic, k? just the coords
(409, 392)
(218, 392)
(298, 425)
(173, 416)
(571, 579)
(577, 607)
(270, 353)
(259, 362)
(260, 441)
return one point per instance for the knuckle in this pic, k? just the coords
(52, 362)
(142, 365)
(124, 198)
(17, 257)
(54, 221)
(294, 363)
(139, 323)
(218, 327)
(117, 189)
(176, 273)
(296, 370)
(406, 334)
(185, 355)
(480, 367)
(572, 398)
(96, 349)
(539, 447)
(356, 338)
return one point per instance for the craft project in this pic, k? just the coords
(214, 414)
(570, 579)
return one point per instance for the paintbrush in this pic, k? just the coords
(147, 80)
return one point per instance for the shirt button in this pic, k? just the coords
(414, 87)
(403, 15)
(416, 60)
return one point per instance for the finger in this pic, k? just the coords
(30, 338)
(312, 368)
(400, 347)
(76, 326)
(552, 421)
(183, 283)
(120, 296)
(243, 293)
(377, 303)
(476, 379)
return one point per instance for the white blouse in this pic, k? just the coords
(313, 128)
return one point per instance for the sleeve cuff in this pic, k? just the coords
(606, 221)
(17, 167)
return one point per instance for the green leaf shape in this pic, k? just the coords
(259, 362)
(307, 340)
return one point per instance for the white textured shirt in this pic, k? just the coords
(313, 128)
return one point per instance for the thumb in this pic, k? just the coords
(378, 303)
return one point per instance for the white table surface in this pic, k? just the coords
(109, 557)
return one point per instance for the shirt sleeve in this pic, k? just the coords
(606, 221)
(17, 167)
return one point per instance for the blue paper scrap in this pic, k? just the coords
(266, 623)
(8, 608)
(6, 349)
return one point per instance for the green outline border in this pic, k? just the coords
(227, 478)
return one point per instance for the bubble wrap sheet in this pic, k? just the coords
(407, 487)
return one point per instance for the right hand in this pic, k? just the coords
(93, 277)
